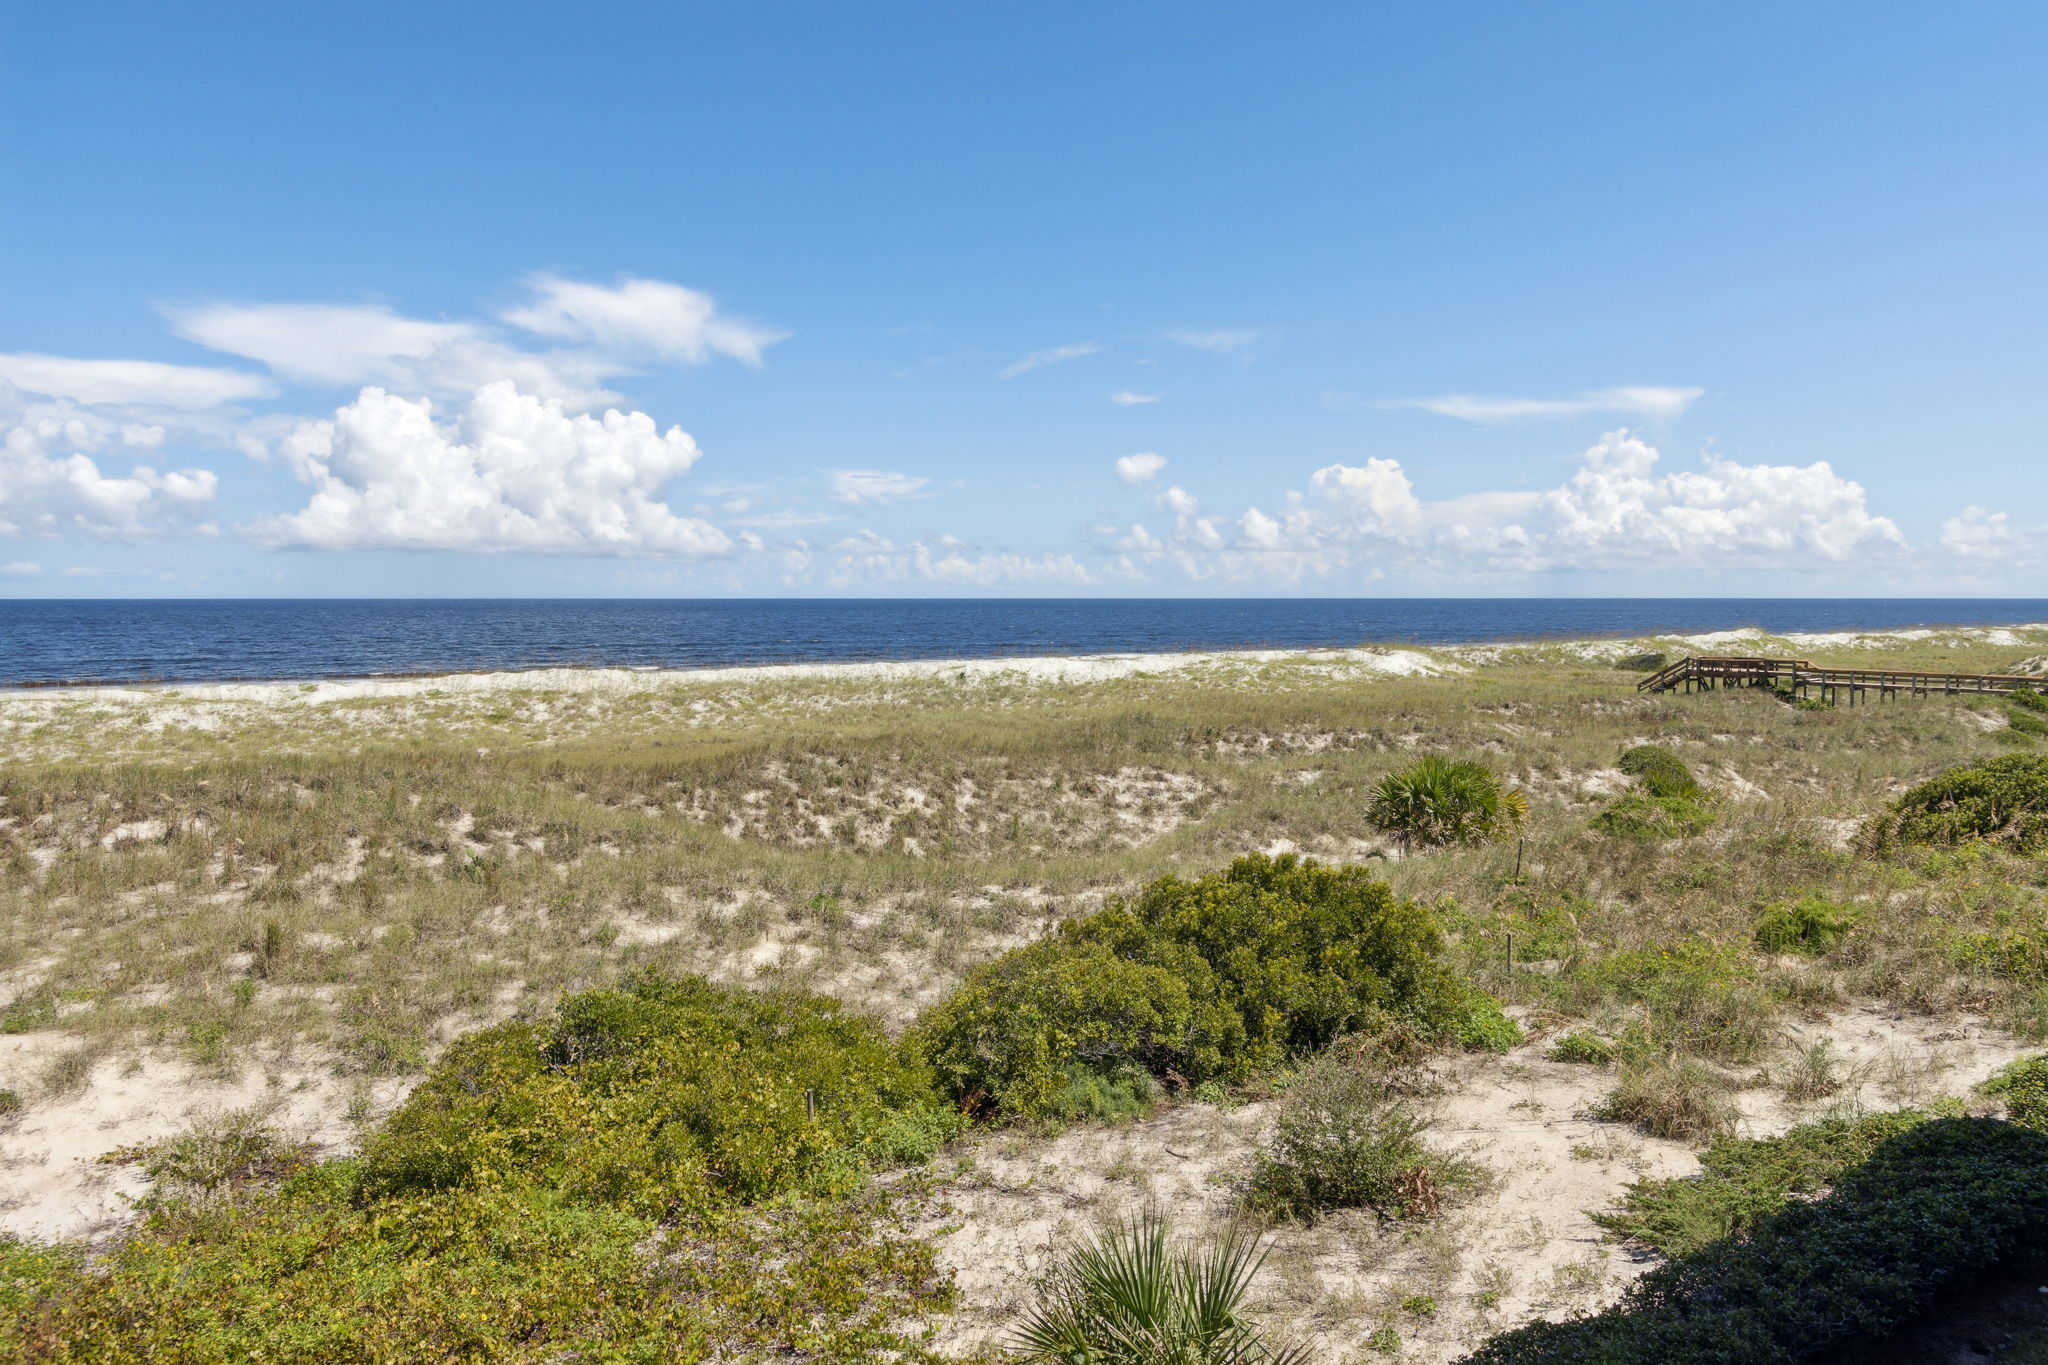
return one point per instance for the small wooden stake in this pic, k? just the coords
(811, 1105)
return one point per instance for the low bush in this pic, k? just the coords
(2023, 1085)
(1580, 1046)
(2001, 800)
(1695, 997)
(1437, 801)
(1681, 1099)
(1131, 1297)
(1659, 772)
(1811, 925)
(1669, 802)
(1935, 1204)
(668, 1096)
(1213, 979)
(1652, 819)
(605, 1184)
(1347, 1137)
(1642, 663)
(2025, 721)
(1741, 1181)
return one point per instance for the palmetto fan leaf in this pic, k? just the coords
(1130, 1297)
(1444, 801)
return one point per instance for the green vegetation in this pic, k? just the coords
(607, 1185)
(1581, 1046)
(1683, 1099)
(1348, 1137)
(2024, 1087)
(2001, 800)
(1217, 978)
(1940, 1201)
(1810, 925)
(1131, 1297)
(305, 901)
(1439, 801)
(1744, 1180)
(1669, 802)
(666, 1098)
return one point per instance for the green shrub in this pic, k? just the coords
(2001, 800)
(2025, 722)
(1437, 801)
(1580, 1046)
(1936, 1204)
(1744, 1180)
(2036, 702)
(1811, 925)
(1130, 1297)
(1652, 819)
(1694, 997)
(2023, 1085)
(2018, 953)
(1485, 1027)
(1669, 802)
(664, 1097)
(1347, 1138)
(1190, 981)
(1659, 772)
(1642, 663)
(606, 1184)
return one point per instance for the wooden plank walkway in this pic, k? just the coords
(1799, 676)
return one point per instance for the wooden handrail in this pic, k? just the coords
(1753, 668)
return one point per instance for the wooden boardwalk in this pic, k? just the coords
(1707, 672)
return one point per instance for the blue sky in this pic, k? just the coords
(1136, 299)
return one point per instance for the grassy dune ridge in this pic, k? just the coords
(297, 898)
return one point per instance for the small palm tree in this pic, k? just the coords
(1130, 1297)
(1441, 801)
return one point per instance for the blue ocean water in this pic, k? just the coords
(45, 642)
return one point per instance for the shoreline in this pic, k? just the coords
(1402, 659)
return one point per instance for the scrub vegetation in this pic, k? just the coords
(532, 1022)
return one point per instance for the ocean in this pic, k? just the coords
(53, 642)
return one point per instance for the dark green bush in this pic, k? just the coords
(2001, 800)
(1191, 981)
(2024, 721)
(1812, 925)
(1939, 1202)
(2036, 702)
(1744, 1180)
(1643, 663)
(1659, 772)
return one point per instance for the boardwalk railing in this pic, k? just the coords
(1802, 677)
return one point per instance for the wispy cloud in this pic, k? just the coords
(1055, 356)
(20, 568)
(873, 487)
(1124, 398)
(1651, 402)
(1215, 340)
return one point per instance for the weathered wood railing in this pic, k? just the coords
(1803, 677)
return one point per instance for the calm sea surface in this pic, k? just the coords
(45, 642)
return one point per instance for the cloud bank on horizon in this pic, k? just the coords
(507, 433)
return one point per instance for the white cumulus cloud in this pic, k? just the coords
(872, 487)
(52, 482)
(1124, 398)
(1979, 533)
(1137, 469)
(506, 471)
